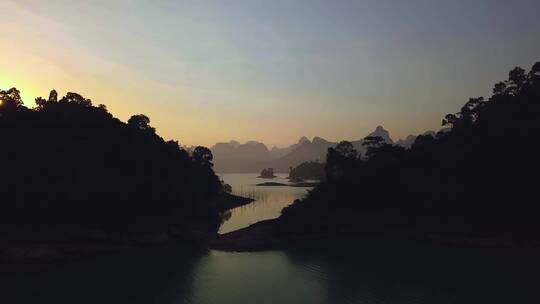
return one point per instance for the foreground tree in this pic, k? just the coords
(69, 168)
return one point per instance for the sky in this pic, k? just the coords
(273, 71)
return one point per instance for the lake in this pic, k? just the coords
(366, 271)
(269, 200)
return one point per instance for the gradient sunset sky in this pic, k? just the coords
(208, 71)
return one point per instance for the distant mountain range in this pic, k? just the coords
(253, 156)
(234, 157)
(280, 152)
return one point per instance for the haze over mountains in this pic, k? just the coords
(253, 156)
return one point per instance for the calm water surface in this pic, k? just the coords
(370, 272)
(362, 271)
(269, 200)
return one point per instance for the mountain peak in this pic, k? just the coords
(302, 140)
(382, 132)
(319, 140)
(234, 143)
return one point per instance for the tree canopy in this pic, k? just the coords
(69, 167)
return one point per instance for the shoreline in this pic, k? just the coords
(230, 201)
(19, 253)
(262, 236)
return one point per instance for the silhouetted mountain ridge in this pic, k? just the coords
(252, 156)
(280, 152)
(233, 156)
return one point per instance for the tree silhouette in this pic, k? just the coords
(499, 89)
(516, 80)
(340, 160)
(203, 156)
(140, 122)
(10, 100)
(74, 98)
(346, 150)
(42, 102)
(53, 96)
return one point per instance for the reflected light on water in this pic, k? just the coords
(269, 200)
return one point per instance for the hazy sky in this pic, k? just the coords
(207, 71)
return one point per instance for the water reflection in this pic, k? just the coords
(359, 271)
(376, 271)
(393, 271)
(269, 201)
(263, 277)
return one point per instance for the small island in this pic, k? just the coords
(299, 184)
(267, 173)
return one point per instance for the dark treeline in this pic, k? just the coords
(71, 170)
(478, 177)
(313, 170)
